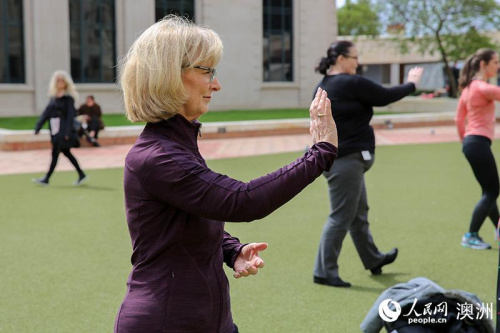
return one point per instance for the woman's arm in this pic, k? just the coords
(43, 118)
(179, 180)
(231, 248)
(460, 116)
(375, 95)
(490, 91)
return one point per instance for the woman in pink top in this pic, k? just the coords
(476, 125)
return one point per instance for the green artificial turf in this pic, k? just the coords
(28, 123)
(66, 251)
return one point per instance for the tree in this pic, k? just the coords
(358, 18)
(449, 27)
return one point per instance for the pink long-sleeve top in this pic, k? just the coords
(476, 110)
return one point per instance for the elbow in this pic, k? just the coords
(248, 216)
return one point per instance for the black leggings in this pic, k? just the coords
(55, 156)
(477, 150)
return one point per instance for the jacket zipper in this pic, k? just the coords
(221, 290)
(168, 296)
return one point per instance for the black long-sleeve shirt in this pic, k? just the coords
(353, 98)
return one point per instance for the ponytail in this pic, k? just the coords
(472, 66)
(323, 66)
(336, 49)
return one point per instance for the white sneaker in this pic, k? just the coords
(473, 241)
(80, 180)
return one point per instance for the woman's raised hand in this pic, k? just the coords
(414, 75)
(322, 126)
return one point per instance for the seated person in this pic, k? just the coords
(80, 125)
(91, 114)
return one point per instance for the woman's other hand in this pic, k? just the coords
(248, 262)
(414, 75)
(322, 126)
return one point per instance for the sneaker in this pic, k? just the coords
(80, 180)
(473, 241)
(40, 181)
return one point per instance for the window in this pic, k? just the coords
(11, 42)
(278, 40)
(179, 7)
(92, 37)
(386, 74)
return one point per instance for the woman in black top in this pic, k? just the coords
(353, 98)
(60, 112)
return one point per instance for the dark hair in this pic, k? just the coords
(91, 97)
(472, 66)
(337, 48)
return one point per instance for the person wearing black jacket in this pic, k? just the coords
(60, 113)
(353, 98)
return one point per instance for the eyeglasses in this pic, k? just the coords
(353, 57)
(208, 69)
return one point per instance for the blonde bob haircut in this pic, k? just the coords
(151, 72)
(70, 85)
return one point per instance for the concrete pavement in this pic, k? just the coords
(34, 161)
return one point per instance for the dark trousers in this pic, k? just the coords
(348, 214)
(55, 156)
(94, 125)
(477, 150)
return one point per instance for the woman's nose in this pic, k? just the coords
(216, 84)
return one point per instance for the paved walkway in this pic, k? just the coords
(113, 156)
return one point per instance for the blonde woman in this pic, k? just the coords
(60, 113)
(175, 205)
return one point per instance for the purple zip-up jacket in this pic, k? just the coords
(175, 206)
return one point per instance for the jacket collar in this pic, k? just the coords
(180, 130)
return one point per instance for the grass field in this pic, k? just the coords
(28, 123)
(65, 251)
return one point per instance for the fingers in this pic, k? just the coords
(252, 268)
(318, 112)
(416, 71)
(322, 102)
(259, 246)
(415, 74)
(314, 104)
(253, 249)
(328, 118)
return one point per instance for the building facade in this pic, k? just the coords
(382, 61)
(270, 48)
